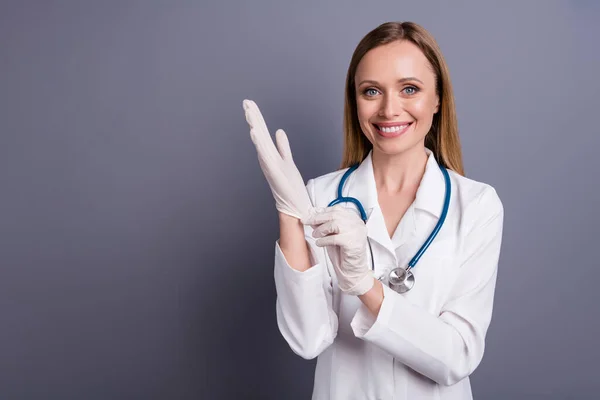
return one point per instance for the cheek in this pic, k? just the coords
(422, 109)
(365, 111)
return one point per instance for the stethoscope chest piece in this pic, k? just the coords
(401, 280)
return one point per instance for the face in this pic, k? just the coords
(395, 97)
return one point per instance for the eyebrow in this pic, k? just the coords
(410, 78)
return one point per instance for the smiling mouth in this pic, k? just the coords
(392, 130)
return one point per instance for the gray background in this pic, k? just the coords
(137, 231)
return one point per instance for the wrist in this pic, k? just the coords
(373, 298)
(288, 219)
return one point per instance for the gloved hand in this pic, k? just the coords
(344, 235)
(278, 166)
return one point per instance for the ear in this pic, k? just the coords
(437, 104)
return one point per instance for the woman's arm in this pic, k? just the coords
(305, 314)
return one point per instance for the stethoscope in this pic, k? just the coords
(400, 279)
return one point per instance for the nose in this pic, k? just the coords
(391, 107)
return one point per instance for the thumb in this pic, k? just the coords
(283, 145)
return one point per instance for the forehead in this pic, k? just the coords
(393, 61)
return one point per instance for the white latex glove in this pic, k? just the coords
(278, 166)
(344, 235)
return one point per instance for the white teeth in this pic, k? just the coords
(393, 128)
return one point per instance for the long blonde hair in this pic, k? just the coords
(442, 138)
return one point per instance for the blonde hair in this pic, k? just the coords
(442, 139)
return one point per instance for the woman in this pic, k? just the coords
(375, 339)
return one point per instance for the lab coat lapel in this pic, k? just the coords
(361, 185)
(423, 212)
(429, 200)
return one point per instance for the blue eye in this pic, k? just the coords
(372, 91)
(412, 89)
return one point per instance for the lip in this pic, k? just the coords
(389, 125)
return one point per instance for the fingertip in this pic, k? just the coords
(308, 220)
(281, 136)
(248, 104)
(312, 211)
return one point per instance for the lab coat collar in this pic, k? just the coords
(429, 197)
(432, 189)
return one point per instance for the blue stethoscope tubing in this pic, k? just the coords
(363, 215)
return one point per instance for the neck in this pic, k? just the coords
(399, 173)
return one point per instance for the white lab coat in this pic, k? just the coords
(423, 344)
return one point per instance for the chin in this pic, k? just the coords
(397, 146)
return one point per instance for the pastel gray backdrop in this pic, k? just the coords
(137, 231)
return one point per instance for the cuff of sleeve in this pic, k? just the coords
(364, 324)
(314, 273)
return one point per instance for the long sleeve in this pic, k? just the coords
(305, 314)
(448, 347)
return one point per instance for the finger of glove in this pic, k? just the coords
(311, 211)
(246, 104)
(256, 117)
(283, 145)
(259, 132)
(331, 240)
(271, 166)
(350, 213)
(328, 214)
(327, 228)
(337, 239)
(250, 108)
(267, 152)
(344, 215)
(252, 111)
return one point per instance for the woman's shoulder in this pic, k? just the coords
(321, 188)
(328, 179)
(476, 197)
